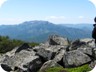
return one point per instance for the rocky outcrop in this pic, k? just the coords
(45, 54)
(56, 51)
(89, 42)
(49, 53)
(59, 55)
(75, 58)
(75, 44)
(82, 43)
(23, 60)
(57, 40)
(87, 50)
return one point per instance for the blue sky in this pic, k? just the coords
(56, 11)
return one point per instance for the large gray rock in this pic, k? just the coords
(75, 58)
(50, 52)
(90, 42)
(35, 65)
(8, 54)
(75, 44)
(23, 60)
(24, 46)
(2, 57)
(11, 53)
(82, 43)
(45, 54)
(59, 55)
(48, 64)
(57, 40)
(87, 50)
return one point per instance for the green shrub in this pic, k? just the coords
(84, 68)
(7, 44)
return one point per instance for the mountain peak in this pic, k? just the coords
(37, 22)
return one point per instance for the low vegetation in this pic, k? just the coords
(84, 68)
(7, 44)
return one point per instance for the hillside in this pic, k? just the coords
(38, 31)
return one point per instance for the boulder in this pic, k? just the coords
(24, 46)
(48, 64)
(56, 48)
(13, 52)
(57, 40)
(2, 57)
(45, 54)
(75, 58)
(49, 53)
(35, 65)
(23, 60)
(87, 42)
(87, 50)
(75, 44)
(90, 42)
(59, 56)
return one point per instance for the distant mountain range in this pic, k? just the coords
(38, 31)
(79, 26)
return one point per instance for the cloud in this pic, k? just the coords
(81, 17)
(55, 17)
(2, 2)
(93, 1)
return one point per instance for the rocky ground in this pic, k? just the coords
(56, 51)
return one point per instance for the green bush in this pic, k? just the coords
(84, 68)
(7, 44)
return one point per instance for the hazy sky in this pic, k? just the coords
(56, 11)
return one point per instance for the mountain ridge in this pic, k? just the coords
(38, 31)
